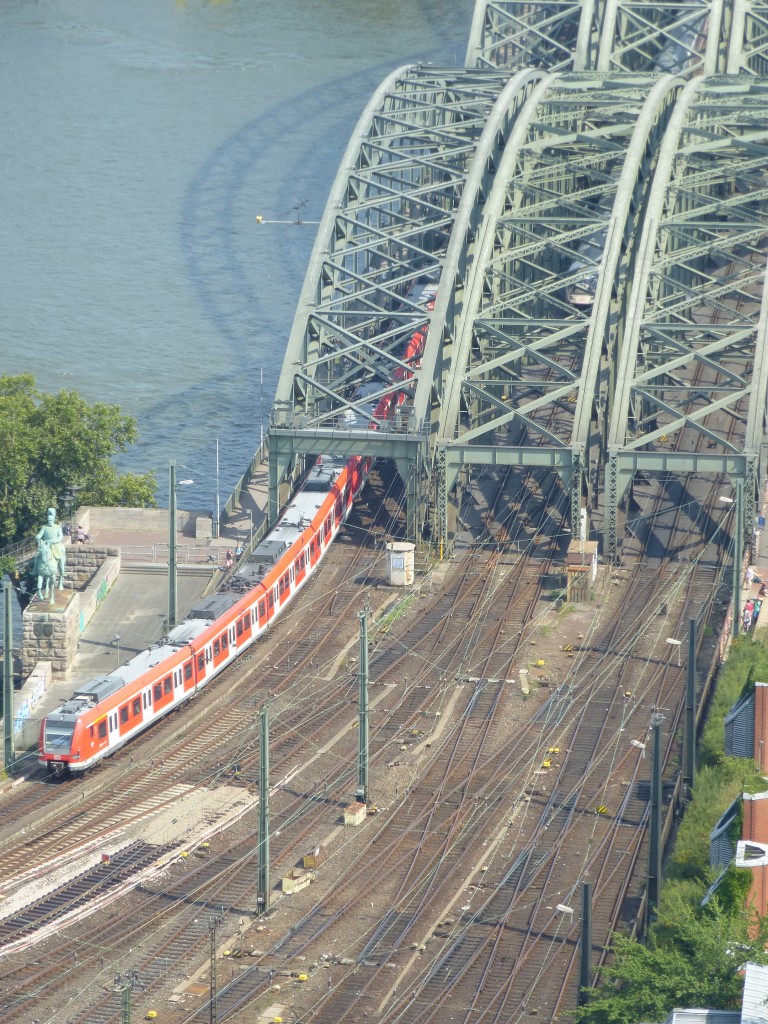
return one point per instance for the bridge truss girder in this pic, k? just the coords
(555, 36)
(693, 367)
(698, 36)
(402, 209)
(527, 372)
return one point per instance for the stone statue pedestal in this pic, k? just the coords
(51, 630)
(58, 602)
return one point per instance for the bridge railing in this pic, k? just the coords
(260, 456)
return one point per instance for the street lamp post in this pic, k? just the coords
(172, 588)
(116, 640)
(250, 521)
(172, 554)
(216, 514)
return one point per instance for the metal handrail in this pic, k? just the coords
(260, 456)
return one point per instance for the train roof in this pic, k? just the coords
(294, 521)
(296, 518)
(99, 689)
(208, 610)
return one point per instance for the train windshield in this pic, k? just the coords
(58, 737)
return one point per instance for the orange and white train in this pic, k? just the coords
(109, 711)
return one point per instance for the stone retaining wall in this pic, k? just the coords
(95, 520)
(50, 631)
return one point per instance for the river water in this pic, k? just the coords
(140, 142)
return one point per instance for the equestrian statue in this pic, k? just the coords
(51, 557)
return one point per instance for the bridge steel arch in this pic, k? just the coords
(695, 37)
(528, 372)
(407, 189)
(557, 36)
(694, 366)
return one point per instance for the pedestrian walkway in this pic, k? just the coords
(250, 506)
(754, 591)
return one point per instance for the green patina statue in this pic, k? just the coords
(51, 558)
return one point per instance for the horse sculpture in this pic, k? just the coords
(45, 569)
(51, 554)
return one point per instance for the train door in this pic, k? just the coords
(95, 737)
(162, 693)
(129, 715)
(101, 730)
(299, 567)
(189, 675)
(220, 649)
(243, 629)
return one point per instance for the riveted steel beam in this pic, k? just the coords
(693, 367)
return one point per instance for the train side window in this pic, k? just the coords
(262, 609)
(188, 671)
(103, 729)
(253, 612)
(90, 732)
(224, 641)
(158, 690)
(124, 715)
(167, 685)
(239, 627)
(216, 648)
(147, 698)
(201, 663)
(137, 706)
(271, 600)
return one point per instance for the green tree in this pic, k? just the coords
(692, 959)
(52, 443)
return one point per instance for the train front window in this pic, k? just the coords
(58, 737)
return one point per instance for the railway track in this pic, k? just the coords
(469, 853)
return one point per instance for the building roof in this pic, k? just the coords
(754, 1008)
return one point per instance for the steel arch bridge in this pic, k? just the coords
(507, 190)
